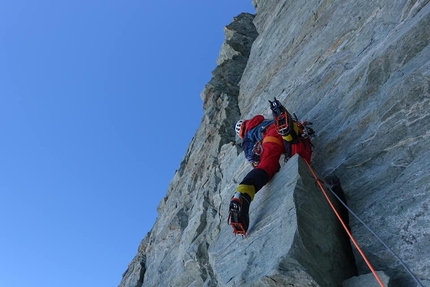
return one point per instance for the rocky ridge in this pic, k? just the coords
(361, 72)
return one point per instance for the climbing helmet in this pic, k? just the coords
(238, 127)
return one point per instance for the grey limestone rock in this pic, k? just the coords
(367, 280)
(360, 71)
(239, 36)
(293, 239)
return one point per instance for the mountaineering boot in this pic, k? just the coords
(238, 216)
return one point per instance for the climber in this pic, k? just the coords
(263, 142)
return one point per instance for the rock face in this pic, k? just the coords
(367, 280)
(360, 71)
(295, 238)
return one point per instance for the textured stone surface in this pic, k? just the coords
(134, 275)
(293, 237)
(194, 208)
(360, 70)
(367, 280)
(239, 36)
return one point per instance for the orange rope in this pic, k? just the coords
(344, 226)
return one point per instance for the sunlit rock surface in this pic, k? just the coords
(360, 71)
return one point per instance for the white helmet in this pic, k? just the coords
(238, 126)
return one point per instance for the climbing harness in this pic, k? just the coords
(319, 184)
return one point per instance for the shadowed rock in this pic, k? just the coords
(294, 238)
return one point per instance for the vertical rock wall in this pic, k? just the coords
(360, 70)
(192, 213)
(294, 238)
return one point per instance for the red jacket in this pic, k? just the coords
(259, 129)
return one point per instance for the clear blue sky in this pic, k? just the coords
(98, 103)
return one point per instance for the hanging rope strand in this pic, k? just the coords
(380, 240)
(345, 227)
